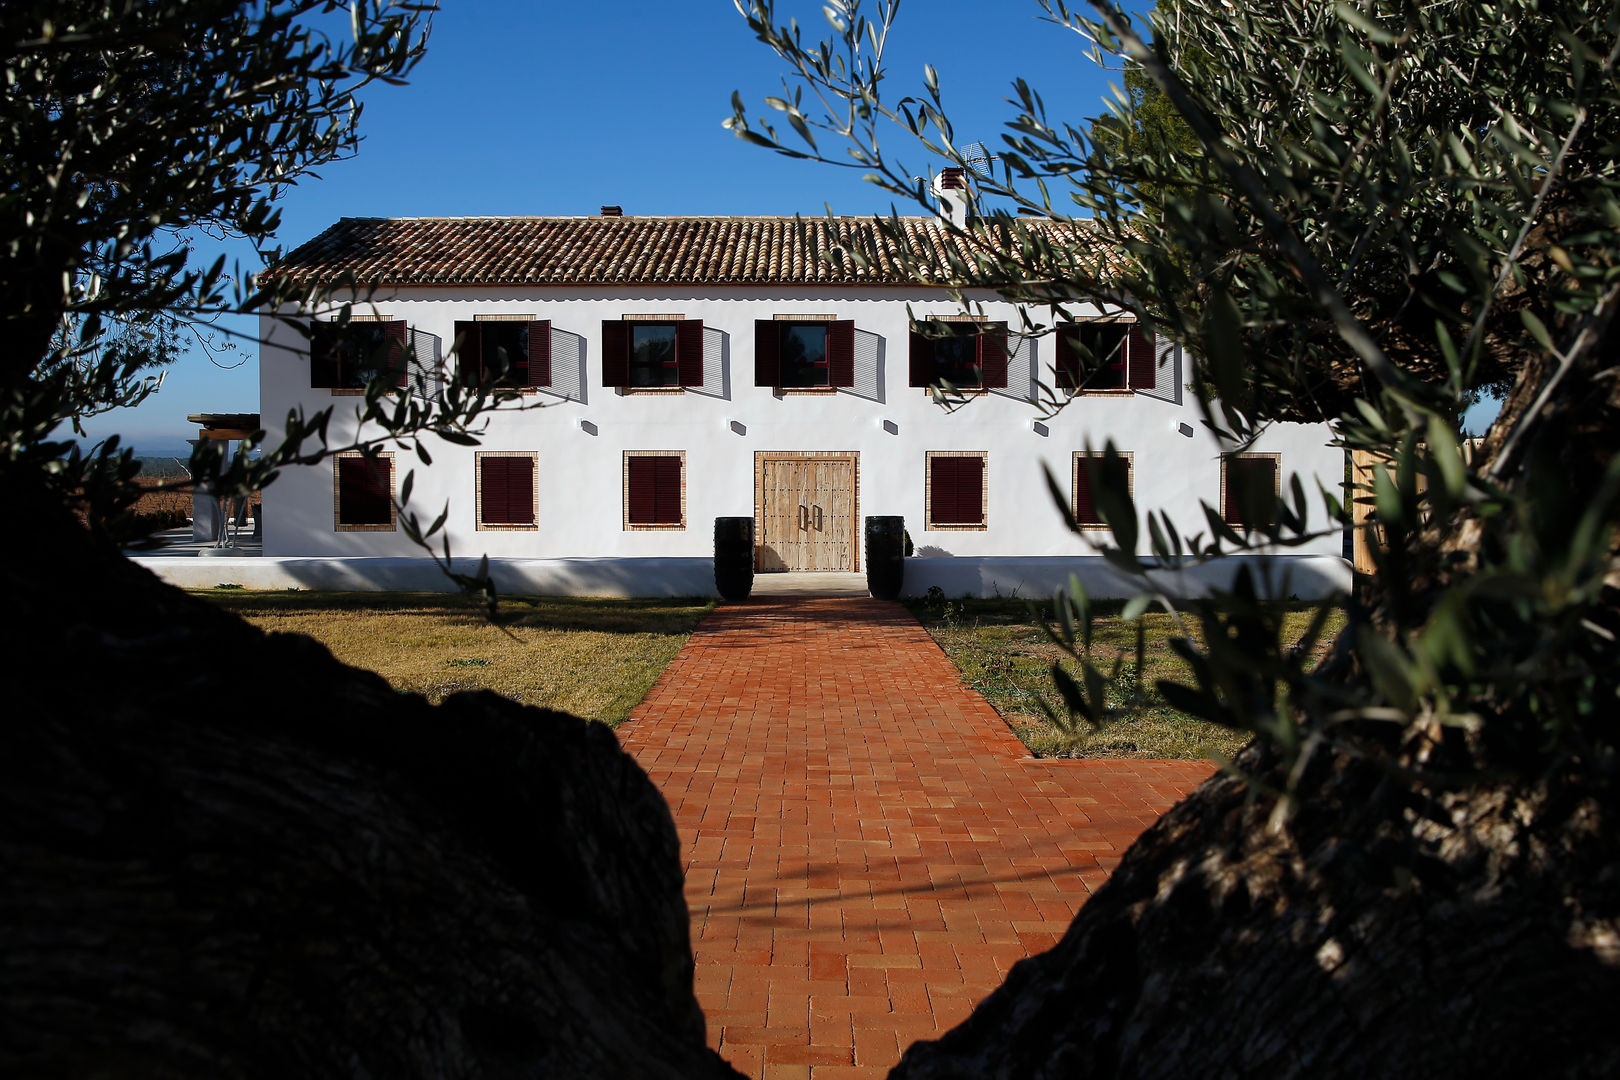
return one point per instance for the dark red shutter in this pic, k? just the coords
(469, 353)
(365, 491)
(539, 355)
(767, 353)
(689, 351)
(1085, 503)
(841, 353)
(325, 364)
(667, 493)
(1140, 358)
(507, 490)
(956, 490)
(922, 359)
(615, 353)
(642, 488)
(398, 362)
(993, 356)
(1249, 480)
(1067, 365)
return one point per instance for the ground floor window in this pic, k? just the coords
(1249, 489)
(363, 493)
(958, 486)
(654, 489)
(507, 498)
(1091, 472)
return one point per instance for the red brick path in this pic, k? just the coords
(868, 848)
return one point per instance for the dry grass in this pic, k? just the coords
(1004, 654)
(595, 658)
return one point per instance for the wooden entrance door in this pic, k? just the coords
(807, 513)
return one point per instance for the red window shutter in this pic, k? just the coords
(922, 359)
(539, 355)
(956, 492)
(365, 491)
(993, 356)
(642, 488)
(324, 356)
(1140, 358)
(615, 353)
(767, 352)
(398, 362)
(689, 351)
(1085, 503)
(507, 490)
(1067, 365)
(1250, 481)
(667, 496)
(841, 353)
(469, 353)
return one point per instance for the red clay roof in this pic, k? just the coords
(630, 251)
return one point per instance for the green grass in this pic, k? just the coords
(595, 658)
(1004, 654)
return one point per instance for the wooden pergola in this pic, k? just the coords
(225, 427)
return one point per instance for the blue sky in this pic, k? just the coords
(551, 108)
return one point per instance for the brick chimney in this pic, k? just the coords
(613, 211)
(952, 195)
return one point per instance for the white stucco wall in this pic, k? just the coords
(890, 425)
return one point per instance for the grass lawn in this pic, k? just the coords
(595, 658)
(1005, 655)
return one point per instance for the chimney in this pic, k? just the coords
(951, 191)
(613, 211)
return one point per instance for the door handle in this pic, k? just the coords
(804, 517)
(818, 519)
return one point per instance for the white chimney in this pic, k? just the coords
(951, 193)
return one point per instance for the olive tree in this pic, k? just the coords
(1383, 206)
(131, 125)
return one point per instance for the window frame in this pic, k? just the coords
(838, 351)
(338, 524)
(1066, 374)
(1226, 490)
(337, 381)
(652, 526)
(618, 348)
(484, 525)
(992, 368)
(929, 522)
(537, 353)
(1078, 462)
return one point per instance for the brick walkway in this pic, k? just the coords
(868, 848)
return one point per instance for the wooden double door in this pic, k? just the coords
(807, 512)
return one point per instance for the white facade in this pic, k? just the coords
(582, 429)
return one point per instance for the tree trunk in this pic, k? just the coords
(226, 854)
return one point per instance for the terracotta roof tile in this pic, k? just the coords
(633, 251)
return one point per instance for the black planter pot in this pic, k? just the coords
(734, 557)
(885, 556)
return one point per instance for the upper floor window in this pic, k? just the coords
(1105, 355)
(803, 353)
(512, 353)
(348, 356)
(966, 355)
(652, 353)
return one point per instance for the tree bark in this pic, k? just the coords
(227, 854)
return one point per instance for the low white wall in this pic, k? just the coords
(1282, 577)
(1307, 577)
(513, 577)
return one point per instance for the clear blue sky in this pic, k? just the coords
(525, 107)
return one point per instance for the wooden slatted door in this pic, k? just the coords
(807, 514)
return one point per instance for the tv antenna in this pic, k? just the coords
(976, 157)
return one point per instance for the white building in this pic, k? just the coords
(693, 368)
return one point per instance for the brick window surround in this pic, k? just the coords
(507, 493)
(654, 490)
(1084, 479)
(363, 493)
(957, 492)
(1245, 480)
